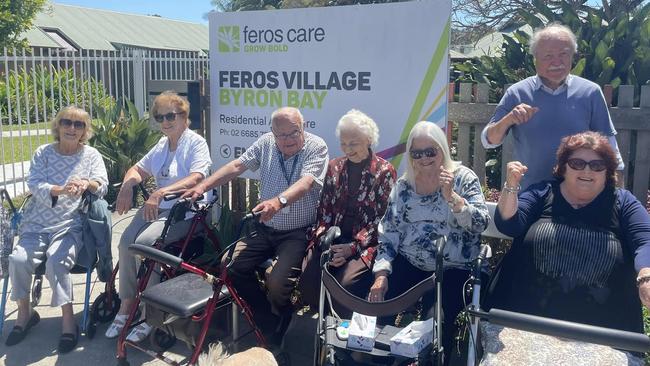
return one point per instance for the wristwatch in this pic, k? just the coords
(283, 201)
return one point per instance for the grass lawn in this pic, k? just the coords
(25, 127)
(23, 147)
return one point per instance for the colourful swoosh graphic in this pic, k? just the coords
(394, 153)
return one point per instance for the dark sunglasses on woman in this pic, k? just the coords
(78, 125)
(579, 164)
(169, 116)
(430, 152)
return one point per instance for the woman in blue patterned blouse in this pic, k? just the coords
(436, 198)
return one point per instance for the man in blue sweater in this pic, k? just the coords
(542, 109)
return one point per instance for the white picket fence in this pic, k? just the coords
(36, 83)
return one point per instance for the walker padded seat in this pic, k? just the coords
(184, 295)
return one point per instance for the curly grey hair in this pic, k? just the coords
(360, 121)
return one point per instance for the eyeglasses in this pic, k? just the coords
(169, 116)
(293, 135)
(78, 125)
(579, 164)
(430, 152)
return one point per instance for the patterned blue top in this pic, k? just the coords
(414, 222)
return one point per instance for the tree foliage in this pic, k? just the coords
(475, 17)
(614, 51)
(16, 17)
(243, 5)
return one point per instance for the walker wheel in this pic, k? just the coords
(102, 311)
(161, 340)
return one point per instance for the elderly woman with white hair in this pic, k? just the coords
(435, 198)
(355, 195)
(52, 224)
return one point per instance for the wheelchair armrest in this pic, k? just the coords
(5, 194)
(156, 255)
(559, 328)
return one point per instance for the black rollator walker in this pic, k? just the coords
(329, 350)
(195, 294)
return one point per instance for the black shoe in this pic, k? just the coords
(18, 333)
(68, 341)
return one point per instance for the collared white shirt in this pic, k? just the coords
(539, 84)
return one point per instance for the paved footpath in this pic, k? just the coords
(39, 348)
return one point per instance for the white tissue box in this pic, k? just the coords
(361, 333)
(410, 341)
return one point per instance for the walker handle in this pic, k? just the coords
(156, 255)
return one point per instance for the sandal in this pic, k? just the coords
(140, 332)
(18, 333)
(116, 326)
(68, 341)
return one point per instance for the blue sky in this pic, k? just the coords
(187, 10)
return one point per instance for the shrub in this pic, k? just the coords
(123, 138)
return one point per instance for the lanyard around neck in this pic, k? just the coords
(284, 168)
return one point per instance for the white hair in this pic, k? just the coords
(437, 136)
(357, 120)
(553, 31)
(290, 113)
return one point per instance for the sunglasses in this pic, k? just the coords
(78, 125)
(430, 152)
(579, 164)
(169, 117)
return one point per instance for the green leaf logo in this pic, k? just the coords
(228, 37)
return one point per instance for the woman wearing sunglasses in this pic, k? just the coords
(581, 247)
(52, 224)
(436, 198)
(179, 161)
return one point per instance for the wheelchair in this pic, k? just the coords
(12, 217)
(193, 296)
(486, 329)
(329, 350)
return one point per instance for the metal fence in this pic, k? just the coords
(36, 83)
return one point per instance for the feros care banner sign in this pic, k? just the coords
(387, 60)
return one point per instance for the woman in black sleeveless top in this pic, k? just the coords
(581, 246)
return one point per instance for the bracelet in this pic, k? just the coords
(642, 279)
(508, 189)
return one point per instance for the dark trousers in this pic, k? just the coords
(354, 276)
(405, 276)
(289, 248)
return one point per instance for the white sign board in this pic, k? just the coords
(387, 60)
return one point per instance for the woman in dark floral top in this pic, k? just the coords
(354, 198)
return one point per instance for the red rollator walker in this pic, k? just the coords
(191, 293)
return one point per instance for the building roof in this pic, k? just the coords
(490, 44)
(95, 29)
